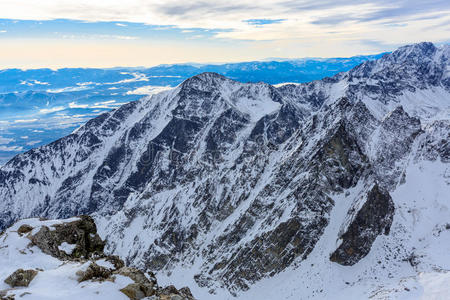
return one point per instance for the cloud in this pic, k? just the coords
(3, 31)
(51, 110)
(11, 148)
(332, 20)
(387, 14)
(107, 104)
(220, 14)
(75, 105)
(291, 28)
(182, 8)
(32, 82)
(4, 140)
(32, 143)
(261, 22)
(25, 121)
(69, 89)
(98, 37)
(136, 77)
(118, 37)
(148, 90)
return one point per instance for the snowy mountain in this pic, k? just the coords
(334, 187)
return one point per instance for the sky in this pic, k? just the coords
(110, 33)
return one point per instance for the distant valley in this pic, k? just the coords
(39, 106)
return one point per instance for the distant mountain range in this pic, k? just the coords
(41, 105)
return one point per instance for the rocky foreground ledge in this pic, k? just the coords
(64, 259)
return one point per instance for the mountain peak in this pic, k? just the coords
(414, 52)
(204, 81)
(423, 47)
(209, 76)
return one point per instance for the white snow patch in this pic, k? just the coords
(67, 248)
(148, 90)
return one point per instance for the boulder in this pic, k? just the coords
(81, 233)
(137, 291)
(186, 292)
(4, 297)
(136, 275)
(142, 286)
(24, 229)
(171, 293)
(21, 278)
(94, 272)
(115, 261)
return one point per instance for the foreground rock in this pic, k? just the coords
(69, 254)
(21, 277)
(71, 240)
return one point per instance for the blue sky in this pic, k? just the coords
(144, 33)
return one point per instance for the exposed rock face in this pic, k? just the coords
(374, 218)
(4, 297)
(89, 270)
(24, 229)
(21, 278)
(94, 272)
(81, 234)
(171, 293)
(135, 274)
(236, 182)
(136, 291)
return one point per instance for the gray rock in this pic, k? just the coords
(94, 272)
(137, 291)
(21, 278)
(135, 274)
(142, 286)
(374, 218)
(82, 233)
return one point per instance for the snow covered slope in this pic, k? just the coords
(63, 259)
(298, 190)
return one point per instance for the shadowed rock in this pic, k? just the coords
(24, 229)
(374, 218)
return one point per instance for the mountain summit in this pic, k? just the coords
(297, 191)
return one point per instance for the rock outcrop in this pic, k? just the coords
(21, 278)
(374, 218)
(83, 252)
(79, 236)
